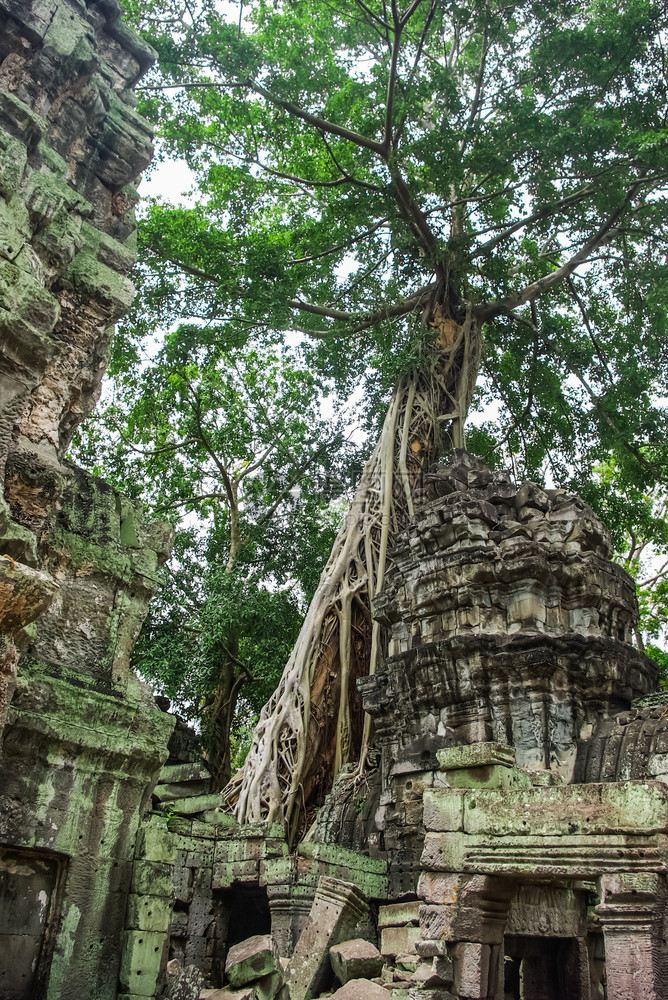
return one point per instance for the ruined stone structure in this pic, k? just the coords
(510, 839)
(81, 740)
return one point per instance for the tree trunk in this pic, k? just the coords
(314, 723)
(222, 713)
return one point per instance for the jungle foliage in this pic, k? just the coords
(375, 176)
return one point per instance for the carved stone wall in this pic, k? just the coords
(508, 621)
(81, 739)
(71, 146)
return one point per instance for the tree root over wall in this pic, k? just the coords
(314, 724)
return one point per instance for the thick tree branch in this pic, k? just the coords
(363, 322)
(541, 213)
(536, 288)
(320, 123)
(342, 246)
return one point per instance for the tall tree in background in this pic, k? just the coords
(228, 442)
(432, 192)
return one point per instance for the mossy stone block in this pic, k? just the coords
(151, 879)
(155, 842)
(148, 913)
(140, 962)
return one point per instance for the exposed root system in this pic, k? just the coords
(313, 724)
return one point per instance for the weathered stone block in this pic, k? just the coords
(361, 989)
(269, 987)
(251, 959)
(493, 776)
(443, 809)
(356, 959)
(438, 888)
(151, 878)
(399, 914)
(444, 852)
(224, 875)
(476, 755)
(155, 842)
(140, 962)
(177, 792)
(569, 809)
(183, 772)
(471, 969)
(337, 908)
(398, 940)
(186, 984)
(195, 804)
(148, 913)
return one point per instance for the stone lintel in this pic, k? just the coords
(633, 807)
(535, 859)
(476, 755)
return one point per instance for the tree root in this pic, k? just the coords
(299, 744)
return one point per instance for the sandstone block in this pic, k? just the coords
(140, 962)
(186, 984)
(476, 755)
(443, 809)
(248, 993)
(361, 989)
(155, 842)
(430, 948)
(269, 987)
(356, 959)
(198, 803)
(337, 908)
(183, 772)
(169, 792)
(399, 914)
(471, 968)
(148, 913)
(251, 959)
(151, 878)
(399, 940)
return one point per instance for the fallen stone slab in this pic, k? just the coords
(269, 987)
(356, 959)
(183, 772)
(361, 989)
(252, 959)
(337, 908)
(198, 803)
(172, 791)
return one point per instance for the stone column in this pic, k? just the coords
(631, 912)
(468, 912)
(337, 908)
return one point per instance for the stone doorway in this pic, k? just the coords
(248, 913)
(542, 968)
(30, 884)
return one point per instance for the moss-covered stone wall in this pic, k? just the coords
(81, 738)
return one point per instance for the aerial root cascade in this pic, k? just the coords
(297, 748)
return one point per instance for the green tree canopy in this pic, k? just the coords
(435, 194)
(355, 159)
(227, 440)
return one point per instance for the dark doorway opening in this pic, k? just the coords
(542, 968)
(30, 891)
(248, 913)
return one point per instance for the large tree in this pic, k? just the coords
(226, 440)
(442, 194)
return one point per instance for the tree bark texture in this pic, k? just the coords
(314, 723)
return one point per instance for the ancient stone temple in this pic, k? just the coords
(81, 739)
(510, 838)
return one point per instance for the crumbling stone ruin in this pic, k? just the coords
(510, 837)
